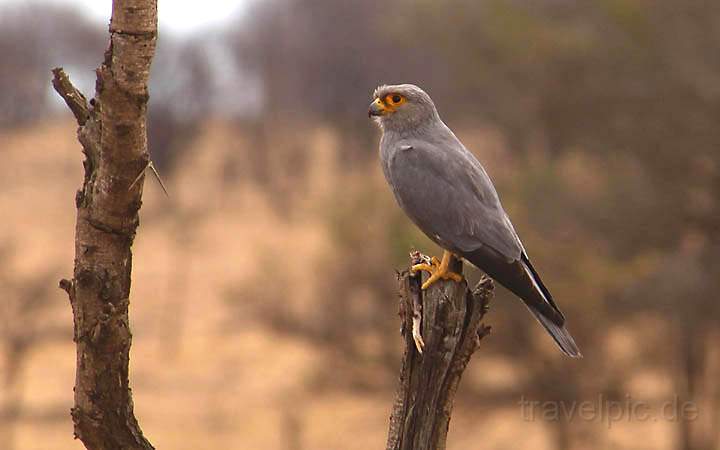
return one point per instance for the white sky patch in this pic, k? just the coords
(181, 16)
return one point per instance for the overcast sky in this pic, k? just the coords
(176, 15)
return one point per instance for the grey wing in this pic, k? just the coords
(448, 194)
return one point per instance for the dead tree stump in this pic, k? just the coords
(449, 316)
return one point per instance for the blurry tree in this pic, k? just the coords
(610, 111)
(687, 299)
(27, 315)
(33, 38)
(321, 60)
(182, 99)
(638, 88)
(36, 36)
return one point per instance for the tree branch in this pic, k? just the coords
(451, 329)
(112, 131)
(75, 99)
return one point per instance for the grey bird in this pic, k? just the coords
(446, 192)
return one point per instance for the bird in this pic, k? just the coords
(443, 188)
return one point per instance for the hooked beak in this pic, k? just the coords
(377, 108)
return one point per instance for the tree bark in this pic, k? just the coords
(114, 140)
(452, 328)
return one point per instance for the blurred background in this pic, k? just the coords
(264, 303)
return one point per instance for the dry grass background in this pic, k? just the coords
(206, 372)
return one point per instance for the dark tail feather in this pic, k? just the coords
(521, 278)
(559, 333)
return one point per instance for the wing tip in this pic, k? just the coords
(560, 335)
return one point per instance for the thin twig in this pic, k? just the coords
(150, 166)
(157, 177)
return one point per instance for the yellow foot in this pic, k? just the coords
(438, 270)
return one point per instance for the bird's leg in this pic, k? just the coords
(438, 270)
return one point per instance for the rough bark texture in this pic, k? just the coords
(113, 137)
(452, 329)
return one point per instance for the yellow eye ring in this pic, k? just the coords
(394, 99)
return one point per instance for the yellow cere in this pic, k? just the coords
(380, 105)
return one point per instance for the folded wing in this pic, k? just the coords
(450, 197)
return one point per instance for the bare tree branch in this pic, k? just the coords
(112, 131)
(451, 329)
(75, 99)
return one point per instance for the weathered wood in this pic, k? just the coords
(451, 330)
(112, 131)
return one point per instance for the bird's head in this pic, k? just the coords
(401, 107)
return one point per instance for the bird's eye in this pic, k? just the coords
(394, 99)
